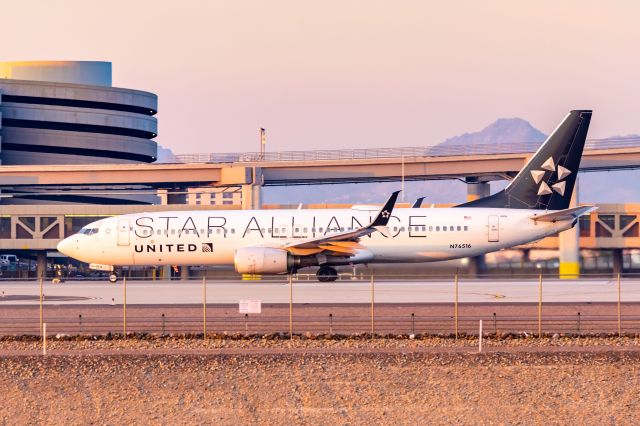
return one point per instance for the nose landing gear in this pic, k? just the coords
(59, 274)
(326, 274)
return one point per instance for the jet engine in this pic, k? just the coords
(262, 260)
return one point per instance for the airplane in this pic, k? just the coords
(534, 205)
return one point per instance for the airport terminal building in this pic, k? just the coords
(63, 112)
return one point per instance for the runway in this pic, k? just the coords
(311, 292)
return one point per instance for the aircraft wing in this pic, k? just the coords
(561, 215)
(345, 243)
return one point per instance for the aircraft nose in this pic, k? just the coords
(66, 246)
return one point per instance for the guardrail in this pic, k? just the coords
(400, 152)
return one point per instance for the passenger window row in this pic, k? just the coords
(432, 228)
(219, 231)
(146, 232)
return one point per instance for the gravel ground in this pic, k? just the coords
(310, 343)
(585, 380)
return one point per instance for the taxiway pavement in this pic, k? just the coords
(230, 292)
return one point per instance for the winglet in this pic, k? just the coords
(385, 212)
(417, 203)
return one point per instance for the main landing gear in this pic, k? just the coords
(326, 274)
(113, 277)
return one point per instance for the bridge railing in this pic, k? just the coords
(379, 153)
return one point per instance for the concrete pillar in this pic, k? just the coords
(618, 265)
(252, 192)
(184, 272)
(41, 264)
(476, 190)
(150, 273)
(569, 245)
(251, 197)
(166, 272)
(477, 266)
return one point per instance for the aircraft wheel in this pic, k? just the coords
(327, 274)
(113, 277)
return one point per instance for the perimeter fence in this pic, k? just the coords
(451, 307)
(329, 325)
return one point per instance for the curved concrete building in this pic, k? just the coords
(64, 112)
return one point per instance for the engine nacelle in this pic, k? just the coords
(262, 260)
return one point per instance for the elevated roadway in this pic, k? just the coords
(315, 167)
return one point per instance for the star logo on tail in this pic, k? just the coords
(385, 214)
(550, 166)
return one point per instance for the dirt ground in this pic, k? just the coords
(435, 381)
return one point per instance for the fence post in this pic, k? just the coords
(80, 322)
(495, 325)
(204, 307)
(330, 324)
(372, 305)
(413, 323)
(41, 301)
(163, 325)
(246, 324)
(455, 305)
(44, 338)
(540, 305)
(480, 337)
(619, 309)
(291, 306)
(578, 327)
(124, 308)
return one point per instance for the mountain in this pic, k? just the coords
(501, 131)
(165, 155)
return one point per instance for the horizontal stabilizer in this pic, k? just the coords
(562, 215)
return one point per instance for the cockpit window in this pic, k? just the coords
(88, 231)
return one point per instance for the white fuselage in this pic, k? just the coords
(212, 237)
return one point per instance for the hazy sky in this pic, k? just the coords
(338, 74)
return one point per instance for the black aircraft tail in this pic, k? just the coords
(546, 182)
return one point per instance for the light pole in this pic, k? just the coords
(263, 142)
